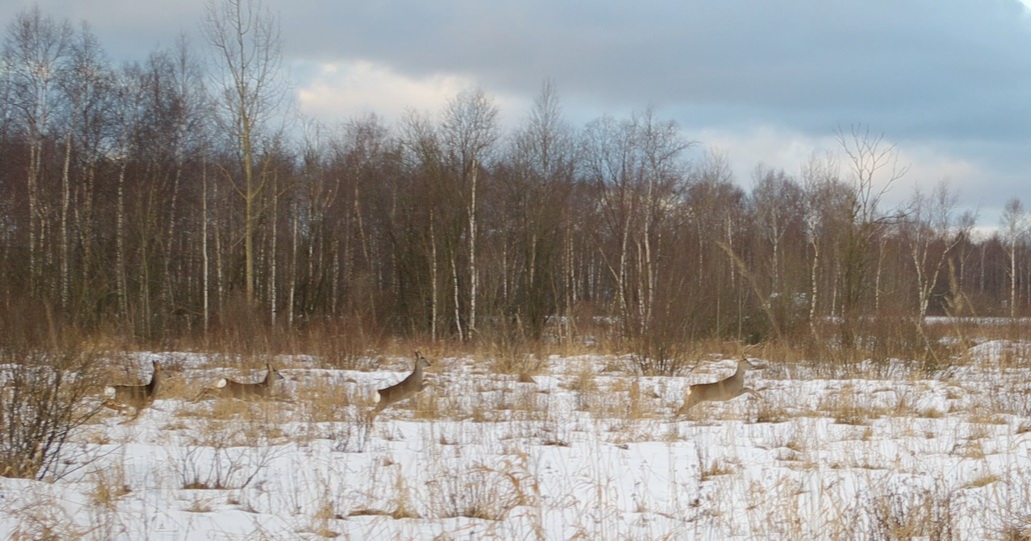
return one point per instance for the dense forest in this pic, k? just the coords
(162, 198)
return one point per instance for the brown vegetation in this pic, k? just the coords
(211, 228)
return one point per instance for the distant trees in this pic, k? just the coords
(536, 190)
(637, 172)
(36, 52)
(468, 133)
(150, 197)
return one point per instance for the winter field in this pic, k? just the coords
(583, 450)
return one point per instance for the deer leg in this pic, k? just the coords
(135, 416)
(111, 404)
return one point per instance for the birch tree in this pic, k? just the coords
(90, 101)
(1014, 224)
(469, 131)
(36, 50)
(933, 235)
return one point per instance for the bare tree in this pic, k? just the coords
(639, 174)
(537, 191)
(90, 101)
(714, 204)
(246, 42)
(36, 51)
(469, 131)
(778, 206)
(824, 198)
(1014, 222)
(180, 95)
(874, 168)
(934, 233)
(129, 109)
(423, 231)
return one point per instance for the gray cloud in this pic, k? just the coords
(914, 66)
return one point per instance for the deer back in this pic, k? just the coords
(261, 389)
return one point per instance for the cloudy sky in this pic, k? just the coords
(947, 81)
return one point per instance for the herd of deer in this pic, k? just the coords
(124, 398)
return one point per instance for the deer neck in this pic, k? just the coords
(154, 379)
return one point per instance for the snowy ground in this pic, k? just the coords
(584, 451)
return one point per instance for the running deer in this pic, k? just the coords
(137, 397)
(725, 389)
(403, 390)
(236, 389)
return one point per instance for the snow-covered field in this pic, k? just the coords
(585, 451)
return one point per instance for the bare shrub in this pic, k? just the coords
(344, 344)
(225, 455)
(240, 326)
(39, 517)
(482, 492)
(513, 354)
(911, 512)
(44, 398)
(655, 357)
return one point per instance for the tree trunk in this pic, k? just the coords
(205, 256)
(473, 274)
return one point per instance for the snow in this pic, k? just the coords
(584, 451)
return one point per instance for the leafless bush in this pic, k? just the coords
(913, 512)
(44, 398)
(482, 492)
(226, 455)
(511, 352)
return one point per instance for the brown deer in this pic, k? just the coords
(243, 391)
(403, 390)
(137, 397)
(724, 389)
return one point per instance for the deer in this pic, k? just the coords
(122, 398)
(240, 390)
(403, 390)
(724, 389)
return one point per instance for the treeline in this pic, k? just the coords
(159, 197)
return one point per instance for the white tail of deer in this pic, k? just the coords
(725, 389)
(403, 390)
(237, 389)
(136, 397)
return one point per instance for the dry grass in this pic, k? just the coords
(480, 491)
(109, 484)
(626, 408)
(772, 410)
(847, 407)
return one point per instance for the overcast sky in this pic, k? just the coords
(948, 81)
